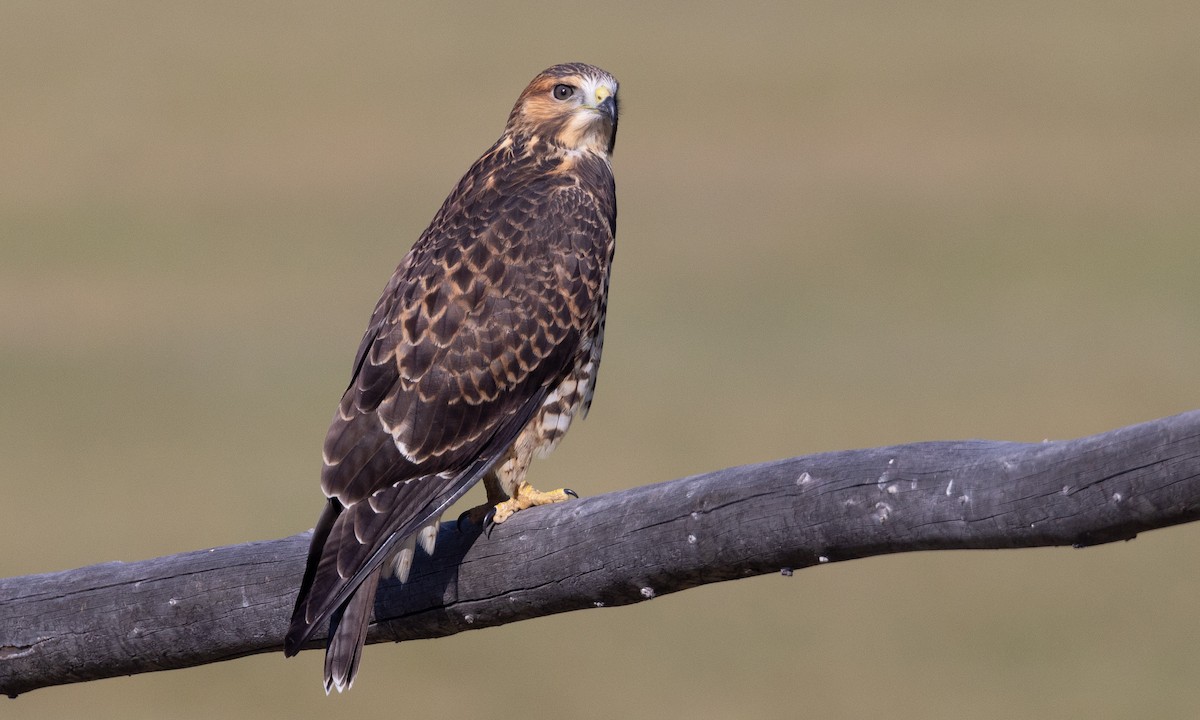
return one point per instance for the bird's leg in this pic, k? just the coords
(495, 496)
(510, 476)
(507, 491)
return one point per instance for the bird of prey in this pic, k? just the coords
(483, 347)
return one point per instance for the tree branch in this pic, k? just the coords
(210, 605)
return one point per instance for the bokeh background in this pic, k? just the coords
(841, 225)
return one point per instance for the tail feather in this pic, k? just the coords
(301, 626)
(348, 634)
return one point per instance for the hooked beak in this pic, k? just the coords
(608, 106)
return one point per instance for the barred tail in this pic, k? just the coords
(348, 634)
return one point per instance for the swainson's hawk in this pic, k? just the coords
(482, 348)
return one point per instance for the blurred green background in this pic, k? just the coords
(841, 225)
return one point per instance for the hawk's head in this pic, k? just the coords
(573, 106)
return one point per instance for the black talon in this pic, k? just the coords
(458, 522)
(571, 492)
(487, 522)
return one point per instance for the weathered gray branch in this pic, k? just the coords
(210, 605)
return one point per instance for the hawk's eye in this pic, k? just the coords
(562, 92)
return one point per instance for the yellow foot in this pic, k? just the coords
(526, 497)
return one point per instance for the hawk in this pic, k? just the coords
(482, 349)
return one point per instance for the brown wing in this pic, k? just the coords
(480, 320)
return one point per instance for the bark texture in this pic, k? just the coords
(629, 546)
